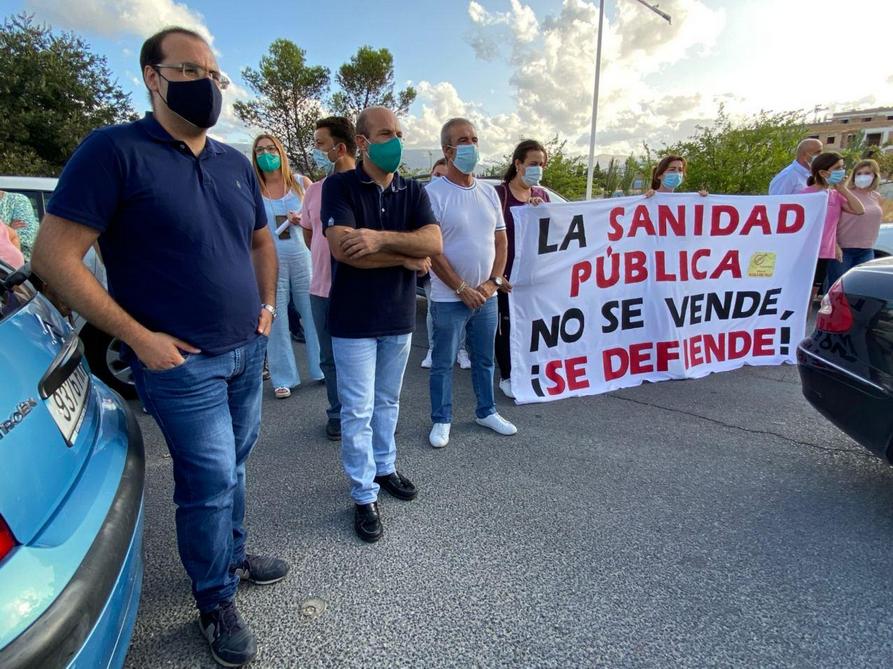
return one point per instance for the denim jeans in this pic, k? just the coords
(208, 410)
(451, 320)
(320, 307)
(370, 376)
(294, 283)
(429, 320)
(851, 258)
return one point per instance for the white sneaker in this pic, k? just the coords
(440, 435)
(506, 387)
(462, 359)
(497, 423)
(426, 363)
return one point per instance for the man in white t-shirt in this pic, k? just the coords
(465, 279)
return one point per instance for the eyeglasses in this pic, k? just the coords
(261, 150)
(193, 71)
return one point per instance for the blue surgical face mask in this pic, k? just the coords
(533, 174)
(467, 157)
(836, 177)
(321, 158)
(671, 180)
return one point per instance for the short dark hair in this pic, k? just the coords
(439, 162)
(151, 53)
(341, 130)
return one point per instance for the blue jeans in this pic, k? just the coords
(208, 409)
(370, 376)
(451, 321)
(429, 319)
(851, 258)
(320, 307)
(294, 283)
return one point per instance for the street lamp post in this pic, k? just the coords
(598, 67)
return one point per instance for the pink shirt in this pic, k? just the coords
(827, 249)
(321, 257)
(860, 232)
(8, 252)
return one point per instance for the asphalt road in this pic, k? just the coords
(716, 522)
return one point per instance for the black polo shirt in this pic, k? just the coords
(372, 302)
(175, 230)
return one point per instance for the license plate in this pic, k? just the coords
(69, 403)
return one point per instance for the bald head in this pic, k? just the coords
(807, 150)
(373, 118)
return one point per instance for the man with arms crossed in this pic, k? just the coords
(192, 284)
(381, 233)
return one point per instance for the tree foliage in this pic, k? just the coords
(740, 158)
(53, 92)
(367, 80)
(288, 102)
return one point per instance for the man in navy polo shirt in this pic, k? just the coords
(192, 283)
(381, 232)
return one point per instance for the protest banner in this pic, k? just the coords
(610, 293)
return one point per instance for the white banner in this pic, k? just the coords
(610, 293)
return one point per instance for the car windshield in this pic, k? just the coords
(12, 298)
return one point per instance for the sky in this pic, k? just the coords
(525, 68)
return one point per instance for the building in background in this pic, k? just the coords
(841, 129)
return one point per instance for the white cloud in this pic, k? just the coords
(115, 17)
(659, 81)
(552, 63)
(440, 102)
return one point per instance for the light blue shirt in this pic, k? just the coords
(790, 181)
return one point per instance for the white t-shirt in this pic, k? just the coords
(469, 219)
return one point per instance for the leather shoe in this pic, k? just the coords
(367, 522)
(333, 429)
(398, 485)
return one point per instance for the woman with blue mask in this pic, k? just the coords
(829, 175)
(283, 193)
(520, 186)
(668, 175)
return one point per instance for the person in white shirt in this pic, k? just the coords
(437, 171)
(792, 179)
(465, 279)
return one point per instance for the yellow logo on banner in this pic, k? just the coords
(762, 264)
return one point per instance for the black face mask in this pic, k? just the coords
(198, 101)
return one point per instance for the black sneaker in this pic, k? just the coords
(333, 429)
(367, 522)
(232, 642)
(261, 570)
(398, 485)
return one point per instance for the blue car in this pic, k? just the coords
(71, 495)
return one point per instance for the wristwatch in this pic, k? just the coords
(270, 308)
(498, 280)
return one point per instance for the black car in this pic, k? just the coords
(846, 366)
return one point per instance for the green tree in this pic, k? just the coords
(366, 80)
(289, 94)
(53, 92)
(564, 173)
(741, 158)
